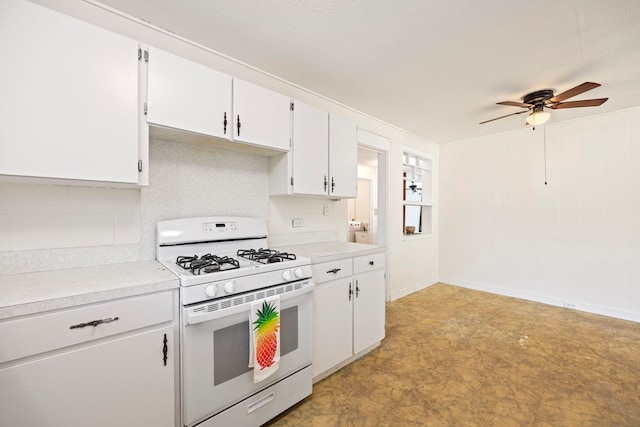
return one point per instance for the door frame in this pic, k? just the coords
(382, 146)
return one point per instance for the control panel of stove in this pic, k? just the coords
(245, 283)
(220, 227)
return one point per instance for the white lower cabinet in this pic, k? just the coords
(110, 378)
(349, 309)
(333, 331)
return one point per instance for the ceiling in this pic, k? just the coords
(433, 68)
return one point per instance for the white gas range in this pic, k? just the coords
(224, 267)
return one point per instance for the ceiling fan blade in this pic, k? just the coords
(575, 91)
(575, 104)
(502, 117)
(514, 104)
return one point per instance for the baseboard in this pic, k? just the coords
(418, 286)
(530, 296)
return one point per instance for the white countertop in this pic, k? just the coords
(332, 251)
(29, 293)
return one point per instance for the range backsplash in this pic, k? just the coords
(83, 226)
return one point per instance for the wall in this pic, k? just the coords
(174, 164)
(317, 227)
(415, 263)
(575, 241)
(47, 227)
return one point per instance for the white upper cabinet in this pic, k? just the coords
(188, 96)
(310, 148)
(324, 157)
(343, 156)
(69, 103)
(260, 116)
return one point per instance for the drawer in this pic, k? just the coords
(38, 334)
(365, 263)
(264, 405)
(331, 270)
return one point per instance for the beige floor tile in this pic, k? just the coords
(458, 357)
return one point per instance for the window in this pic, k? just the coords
(417, 194)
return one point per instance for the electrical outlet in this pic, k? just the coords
(569, 304)
(325, 209)
(297, 222)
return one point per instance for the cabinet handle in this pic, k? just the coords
(350, 291)
(225, 123)
(370, 262)
(325, 183)
(333, 185)
(165, 350)
(238, 125)
(357, 289)
(334, 271)
(94, 322)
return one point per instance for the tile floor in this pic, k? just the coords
(458, 357)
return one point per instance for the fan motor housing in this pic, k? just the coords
(538, 97)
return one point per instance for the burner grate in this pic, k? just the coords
(265, 256)
(207, 263)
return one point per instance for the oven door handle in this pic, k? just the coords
(195, 318)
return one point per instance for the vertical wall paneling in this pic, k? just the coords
(634, 229)
(567, 182)
(616, 220)
(592, 208)
(548, 244)
(574, 241)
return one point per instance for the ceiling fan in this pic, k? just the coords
(536, 102)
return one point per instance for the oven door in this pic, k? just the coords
(215, 348)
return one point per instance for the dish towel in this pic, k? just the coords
(264, 330)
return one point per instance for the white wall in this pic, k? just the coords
(48, 227)
(575, 241)
(172, 164)
(415, 260)
(317, 227)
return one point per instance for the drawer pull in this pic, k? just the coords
(260, 403)
(94, 322)
(370, 262)
(334, 271)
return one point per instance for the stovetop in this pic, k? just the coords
(226, 255)
(193, 269)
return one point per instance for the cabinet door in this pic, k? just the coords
(260, 116)
(343, 156)
(368, 310)
(116, 383)
(69, 103)
(188, 96)
(310, 150)
(332, 313)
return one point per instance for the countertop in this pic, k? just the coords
(30, 293)
(332, 251)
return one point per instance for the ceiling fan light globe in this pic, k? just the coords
(538, 117)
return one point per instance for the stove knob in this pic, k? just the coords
(286, 275)
(229, 287)
(210, 291)
(299, 273)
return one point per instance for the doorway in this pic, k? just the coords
(364, 218)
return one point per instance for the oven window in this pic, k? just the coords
(231, 346)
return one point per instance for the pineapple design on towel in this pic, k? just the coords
(266, 326)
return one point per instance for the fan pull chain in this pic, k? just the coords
(544, 133)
